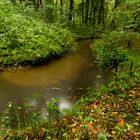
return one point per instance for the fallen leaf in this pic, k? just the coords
(114, 113)
(74, 130)
(73, 125)
(90, 126)
(94, 106)
(113, 132)
(92, 129)
(91, 114)
(121, 123)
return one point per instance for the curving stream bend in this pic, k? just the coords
(66, 78)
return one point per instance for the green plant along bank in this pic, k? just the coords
(26, 40)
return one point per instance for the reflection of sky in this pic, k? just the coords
(64, 103)
(61, 79)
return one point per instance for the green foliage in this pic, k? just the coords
(11, 117)
(31, 122)
(121, 130)
(122, 82)
(26, 40)
(125, 16)
(53, 109)
(118, 50)
(102, 136)
(110, 51)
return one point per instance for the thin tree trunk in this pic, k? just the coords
(116, 66)
(73, 16)
(61, 9)
(94, 10)
(101, 12)
(91, 12)
(86, 11)
(131, 66)
(44, 10)
(83, 11)
(71, 10)
(117, 3)
(38, 4)
(56, 10)
(14, 1)
(20, 1)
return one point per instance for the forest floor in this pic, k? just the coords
(109, 117)
(113, 117)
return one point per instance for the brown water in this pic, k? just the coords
(66, 78)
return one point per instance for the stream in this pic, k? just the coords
(66, 78)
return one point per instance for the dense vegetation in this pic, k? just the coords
(26, 40)
(111, 112)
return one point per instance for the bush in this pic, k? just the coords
(27, 40)
(110, 50)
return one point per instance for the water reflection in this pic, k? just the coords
(66, 78)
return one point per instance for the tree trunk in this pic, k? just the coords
(91, 12)
(131, 66)
(20, 1)
(83, 7)
(56, 10)
(61, 8)
(44, 10)
(101, 12)
(71, 10)
(38, 4)
(117, 3)
(116, 65)
(14, 1)
(86, 11)
(94, 11)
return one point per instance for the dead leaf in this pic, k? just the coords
(73, 125)
(92, 129)
(90, 126)
(94, 106)
(74, 130)
(114, 113)
(121, 123)
(113, 132)
(91, 114)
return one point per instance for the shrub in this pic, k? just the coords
(27, 40)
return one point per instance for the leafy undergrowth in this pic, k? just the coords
(26, 40)
(110, 116)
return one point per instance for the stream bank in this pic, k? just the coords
(66, 78)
